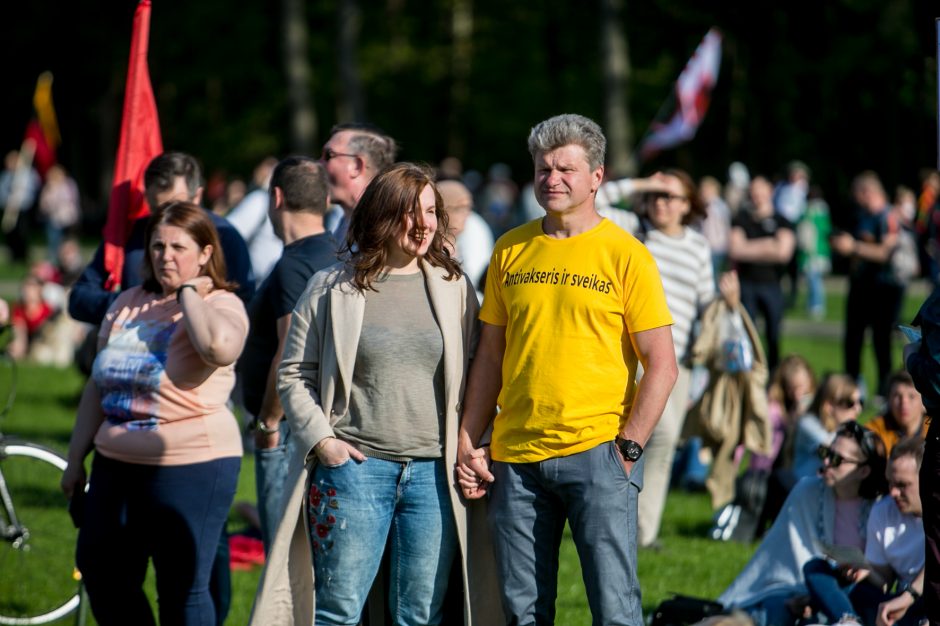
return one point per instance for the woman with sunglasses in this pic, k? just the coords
(827, 510)
(837, 401)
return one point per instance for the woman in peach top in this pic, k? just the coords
(168, 450)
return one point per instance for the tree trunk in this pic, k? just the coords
(461, 26)
(616, 59)
(303, 118)
(351, 106)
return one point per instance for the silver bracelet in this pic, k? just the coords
(263, 428)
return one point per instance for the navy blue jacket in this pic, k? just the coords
(89, 301)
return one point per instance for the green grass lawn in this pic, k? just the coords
(688, 563)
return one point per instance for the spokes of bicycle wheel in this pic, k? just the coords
(37, 576)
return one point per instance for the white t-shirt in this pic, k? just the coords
(250, 219)
(895, 539)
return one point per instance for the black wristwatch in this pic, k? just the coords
(629, 449)
(910, 589)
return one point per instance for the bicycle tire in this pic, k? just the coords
(38, 580)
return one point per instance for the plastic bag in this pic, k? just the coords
(737, 354)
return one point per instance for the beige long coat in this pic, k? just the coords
(315, 376)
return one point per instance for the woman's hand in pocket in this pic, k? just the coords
(332, 452)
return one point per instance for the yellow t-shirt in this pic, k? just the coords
(569, 307)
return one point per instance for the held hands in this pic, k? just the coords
(472, 471)
(332, 452)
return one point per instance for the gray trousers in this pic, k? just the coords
(529, 504)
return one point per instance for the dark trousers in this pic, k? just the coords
(173, 515)
(766, 300)
(930, 499)
(871, 305)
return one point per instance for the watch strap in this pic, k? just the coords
(179, 290)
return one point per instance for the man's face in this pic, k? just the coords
(904, 486)
(871, 197)
(906, 405)
(564, 180)
(341, 165)
(178, 193)
(761, 191)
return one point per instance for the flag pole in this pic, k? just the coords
(937, 23)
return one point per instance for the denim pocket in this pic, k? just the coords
(617, 458)
(338, 465)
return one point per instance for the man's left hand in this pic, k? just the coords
(894, 609)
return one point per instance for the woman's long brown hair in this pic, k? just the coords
(380, 217)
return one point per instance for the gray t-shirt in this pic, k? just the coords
(397, 397)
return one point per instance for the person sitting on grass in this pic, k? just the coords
(855, 592)
(831, 509)
(904, 415)
(837, 401)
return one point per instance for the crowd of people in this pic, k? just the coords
(441, 372)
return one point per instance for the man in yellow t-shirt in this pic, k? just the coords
(572, 305)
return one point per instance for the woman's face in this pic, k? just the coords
(851, 471)
(176, 257)
(415, 238)
(666, 210)
(846, 408)
(799, 385)
(906, 406)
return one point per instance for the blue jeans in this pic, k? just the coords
(772, 610)
(271, 466)
(171, 514)
(816, 294)
(354, 509)
(833, 598)
(529, 503)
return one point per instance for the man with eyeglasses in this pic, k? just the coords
(861, 593)
(354, 154)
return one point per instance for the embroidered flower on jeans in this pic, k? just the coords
(321, 525)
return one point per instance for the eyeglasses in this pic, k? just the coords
(848, 403)
(668, 197)
(329, 153)
(835, 459)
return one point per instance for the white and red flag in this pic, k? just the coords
(692, 95)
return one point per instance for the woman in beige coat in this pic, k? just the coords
(371, 380)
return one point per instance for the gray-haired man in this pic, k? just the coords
(573, 304)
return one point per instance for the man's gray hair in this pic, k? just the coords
(371, 142)
(567, 129)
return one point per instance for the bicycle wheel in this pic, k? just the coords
(38, 580)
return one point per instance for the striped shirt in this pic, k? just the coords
(685, 264)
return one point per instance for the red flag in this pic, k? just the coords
(43, 129)
(693, 91)
(140, 143)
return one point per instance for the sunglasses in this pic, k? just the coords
(848, 403)
(834, 458)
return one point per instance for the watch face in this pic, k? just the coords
(630, 449)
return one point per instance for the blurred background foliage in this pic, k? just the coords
(843, 85)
